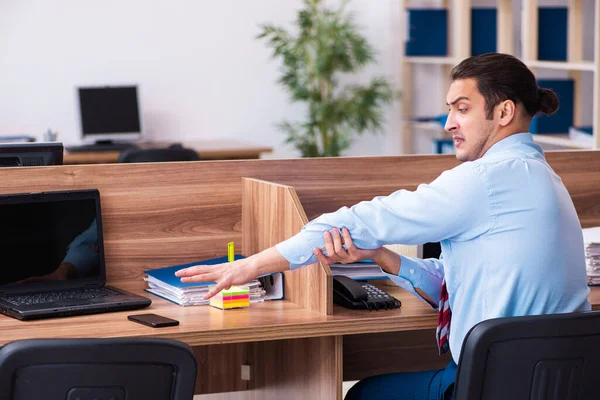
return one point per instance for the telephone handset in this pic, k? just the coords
(361, 295)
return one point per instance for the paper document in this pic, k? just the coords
(359, 271)
(163, 282)
(591, 242)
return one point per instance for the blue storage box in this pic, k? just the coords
(552, 33)
(443, 146)
(427, 33)
(483, 31)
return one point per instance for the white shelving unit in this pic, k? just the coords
(459, 35)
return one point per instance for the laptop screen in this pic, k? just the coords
(50, 237)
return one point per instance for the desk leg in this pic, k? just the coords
(299, 369)
(294, 369)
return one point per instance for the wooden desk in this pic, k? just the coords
(207, 150)
(299, 348)
(205, 325)
(294, 353)
(278, 339)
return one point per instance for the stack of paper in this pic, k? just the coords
(193, 294)
(591, 240)
(234, 297)
(163, 282)
(359, 271)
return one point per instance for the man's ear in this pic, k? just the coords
(507, 110)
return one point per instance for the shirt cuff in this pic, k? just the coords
(411, 271)
(406, 285)
(297, 252)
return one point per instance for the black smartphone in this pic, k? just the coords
(153, 320)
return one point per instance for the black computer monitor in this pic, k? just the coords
(109, 113)
(31, 154)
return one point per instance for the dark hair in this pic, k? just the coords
(504, 77)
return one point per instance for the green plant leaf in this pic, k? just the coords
(328, 43)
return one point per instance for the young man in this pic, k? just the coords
(511, 240)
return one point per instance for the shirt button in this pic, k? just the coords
(302, 258)
(412, 271)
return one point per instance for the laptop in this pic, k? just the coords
(52, 256)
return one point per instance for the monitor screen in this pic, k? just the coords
(31, 154)
(109, 112)
(49, 237)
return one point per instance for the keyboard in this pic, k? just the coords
(100, 147)
(50, 297)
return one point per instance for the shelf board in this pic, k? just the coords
(568, 66)
(431, 60)
(558, 139)
(426, 125)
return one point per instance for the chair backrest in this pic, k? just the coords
(85, 369)
(158, 155)
(545, 357)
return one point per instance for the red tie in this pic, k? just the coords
(444, 315)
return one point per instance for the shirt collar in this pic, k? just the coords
(512, 140)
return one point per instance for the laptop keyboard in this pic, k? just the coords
(50, 297)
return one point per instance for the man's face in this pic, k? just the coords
(467, 122)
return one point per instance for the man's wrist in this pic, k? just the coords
(267, 261)
(388, 260)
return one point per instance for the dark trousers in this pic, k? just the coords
(425, 385)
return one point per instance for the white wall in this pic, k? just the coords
(201, 72)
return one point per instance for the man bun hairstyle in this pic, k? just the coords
(504, 77)
(548, 101)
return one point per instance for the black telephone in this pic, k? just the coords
(361, 295)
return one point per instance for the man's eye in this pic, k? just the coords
(462, 110)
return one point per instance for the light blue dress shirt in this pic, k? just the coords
(511, 240)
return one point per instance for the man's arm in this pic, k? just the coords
(421, 277)
(454, 206)
(417, 272)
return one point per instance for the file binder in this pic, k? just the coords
(162, 282)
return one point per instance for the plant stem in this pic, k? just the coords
(323, 128)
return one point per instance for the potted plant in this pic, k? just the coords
(327, 45)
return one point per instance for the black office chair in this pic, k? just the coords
(100, 369)
(545, 357)
(173, 153)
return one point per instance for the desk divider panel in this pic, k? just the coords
(272, 213)
(159, 214)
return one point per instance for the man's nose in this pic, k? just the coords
(450, 125)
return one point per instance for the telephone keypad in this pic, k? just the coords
(360, 295)
(378, 299)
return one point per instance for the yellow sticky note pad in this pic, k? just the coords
(234, 297)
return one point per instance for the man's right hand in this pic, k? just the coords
(238, 272)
